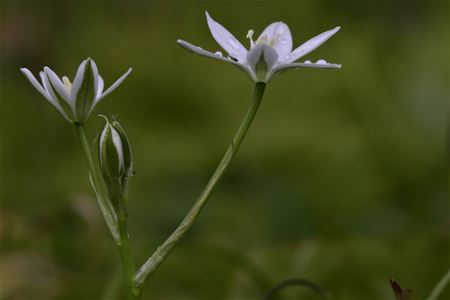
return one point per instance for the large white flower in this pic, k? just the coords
(269, 55)
(74, 101)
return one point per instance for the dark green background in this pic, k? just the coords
(343, 179)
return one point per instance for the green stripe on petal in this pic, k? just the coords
(86, 94)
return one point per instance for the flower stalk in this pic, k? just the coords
(271, 54)
(155, 260)
(131, 291)
(440, 286)
(116, 220)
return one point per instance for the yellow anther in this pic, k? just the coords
(250, 34)
(67, 83)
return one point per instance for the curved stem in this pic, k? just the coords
(151, 265)
(439, 288)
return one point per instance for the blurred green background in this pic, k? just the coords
(343, 179)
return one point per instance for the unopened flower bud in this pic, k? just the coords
(116, 161)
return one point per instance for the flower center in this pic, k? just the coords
(67, 83)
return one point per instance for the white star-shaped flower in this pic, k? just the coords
(269, 55)
(74, 101)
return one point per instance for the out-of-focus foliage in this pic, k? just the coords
(343, 179)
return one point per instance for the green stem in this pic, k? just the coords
(440, 286)
(151, 265)
(93, 171)
(126, 257)
(130, 291)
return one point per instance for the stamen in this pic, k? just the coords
(250, 37)
(67, 83)
(250, 34)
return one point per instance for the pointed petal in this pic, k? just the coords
(319, 65)
(96, 75)
(226, 40)
(87, 92)
(35, 83)
(114, 85)
(197, 50)
(281, 37)
(101, 85)
(61, 105)
(312, 65)
(77, 81)
(310, 45)
(48, 88)
(58, 86)
(97, 78)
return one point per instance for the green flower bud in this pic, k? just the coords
(116, 161)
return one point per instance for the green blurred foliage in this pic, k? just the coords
(343, 179)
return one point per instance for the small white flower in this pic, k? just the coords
(75, 101)
(269, 55)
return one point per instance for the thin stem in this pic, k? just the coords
(126, 257)
(120, 221)
(440, 286)
(151, 265)
(93, 171)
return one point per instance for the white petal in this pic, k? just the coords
(306, 64)
(95, 73)
(48, 87)
(319, 64)
(118, 145)
(269, 54)
(281, 37)
(226, 40)
(310, 45)
(101, 85)
(58, 85)
(35, 83)
(78, 80)
(52, 96)
(113, 86)
(102, 138)
(197, 50)
(44, 80)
